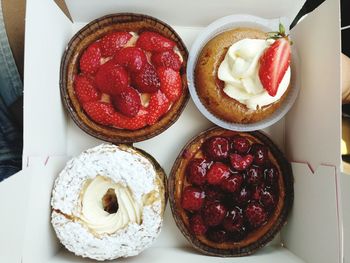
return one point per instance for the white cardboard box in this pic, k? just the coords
(309, 134)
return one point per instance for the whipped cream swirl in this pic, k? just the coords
(240, 72)
(93, 213)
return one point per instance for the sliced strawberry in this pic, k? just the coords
(90, 60)
(274, 63)
(146, 80)
(154, 42)
(131, 57)
(112, 42)
(168, 59)
(128, 102)
(134, 123)
(170, 83)
(85, 90)
(158, 106)
(100, 112)
(111, 78)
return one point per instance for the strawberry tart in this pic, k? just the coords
(230, 192)
(109, 202)
(243, 75)
(123, 77)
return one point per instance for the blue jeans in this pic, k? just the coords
(11, 89)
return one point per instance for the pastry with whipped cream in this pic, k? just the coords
(236, 81)
(109, 202)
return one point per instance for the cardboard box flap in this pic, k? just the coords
(44, 130)
(313, 125)
(87, 10)
(345, 198)
(312, 231)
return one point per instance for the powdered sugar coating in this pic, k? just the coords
(123, 165)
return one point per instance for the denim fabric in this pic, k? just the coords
(11, 89)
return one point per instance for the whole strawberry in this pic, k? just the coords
(146, 80)
(112, 78)
(192, 198)
(132, 58)
(127, 102)
(112, 42)
(216, 148)
(217, 172)
(157, 107)
(197, 225)
(100, 112)
(84, 88)
(255, 214)
(167, 59)
(196, 171)
(154, 42)
(213, 213)
(170, 83)
(239, 162)
(90, 59)
(274, 62)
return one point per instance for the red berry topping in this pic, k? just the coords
(90, 60)
(130, 123)
(233, 221)
(274, 63)
(111, 78)
(128, 102)
(217, 235)
(243, 196)
(271, 176)
(197, 171)
(255, 214)
(254, 175)
(192, 198)
(213, 213)
(239, 162)
(240, 144)
(112, 42)
(146, 80)
(99, 112)
(217, 148)
(197, 225)
(268, 199)
(213, 194)
(260, 153)
(168, 59)
(232, 183)
(257, 191)
(158, 106)
(217, 172)
(154, 42)
(131, 57)
(85, 90)
(170, 83)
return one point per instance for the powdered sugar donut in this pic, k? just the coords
(109, 202)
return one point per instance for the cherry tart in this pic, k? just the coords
(123, 77)
(230, 192)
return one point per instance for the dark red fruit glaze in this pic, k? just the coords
(232, 190)
(216, 148)
(114, 63)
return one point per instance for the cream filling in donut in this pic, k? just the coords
(240, 72)
(104, 220)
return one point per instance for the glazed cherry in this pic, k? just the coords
(260, 153)
(217, 235)
(197, 171)
(240, 162)
(197, 225)
(232, 183)
(255, 214)
(216, 148)
(271, 176)
(240, 144)
(254, 175)
(213, 213)
(233, 221)
(217, 172)
(192, 198)
(243, 196)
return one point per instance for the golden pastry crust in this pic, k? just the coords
(210, 88)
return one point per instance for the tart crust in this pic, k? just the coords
(70, 64)
(66, 203)
(254, 240)
(210, 88)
